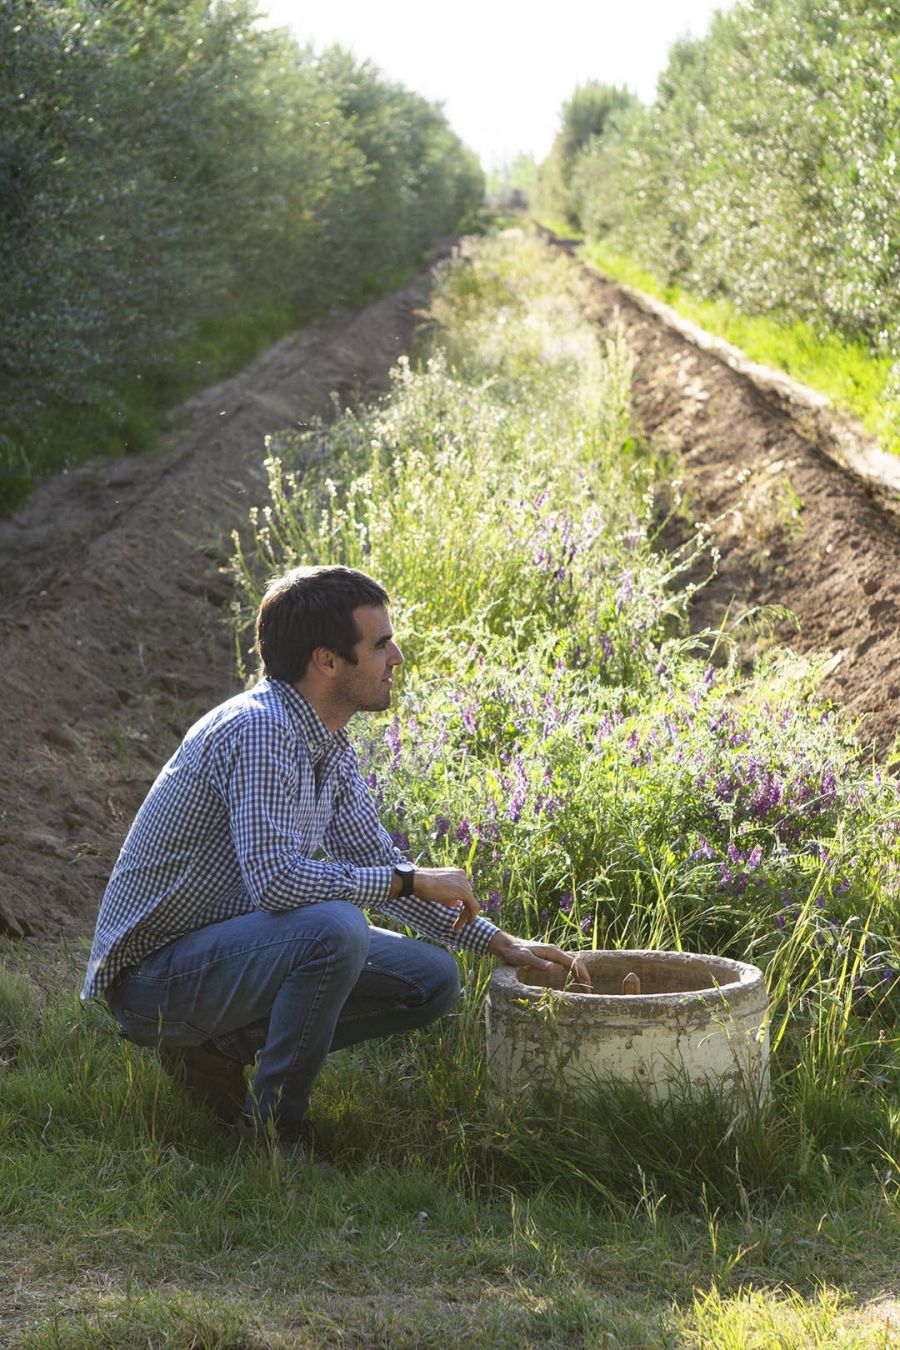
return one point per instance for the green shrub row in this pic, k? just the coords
(767, 172)
(177, 184)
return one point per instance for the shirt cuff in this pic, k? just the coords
(475, 936)
(373, 885)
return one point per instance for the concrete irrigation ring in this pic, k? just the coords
(698, 1020)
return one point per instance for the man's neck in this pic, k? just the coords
(335, 719)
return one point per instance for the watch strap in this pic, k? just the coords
(407, 874)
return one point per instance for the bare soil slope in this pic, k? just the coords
(114, 610)
(796, 526)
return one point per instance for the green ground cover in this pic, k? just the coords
(609, 780)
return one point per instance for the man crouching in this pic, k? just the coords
(223, 935)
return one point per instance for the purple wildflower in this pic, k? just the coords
(464, 831)
(565, 902)
(624, 590)
(520, 792)
(766, 797)
(587, 924)
(392, 736)
(755, 858)
(441, 826)
(516, 802)
(604, 728)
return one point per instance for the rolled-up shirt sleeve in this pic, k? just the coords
(260, 780)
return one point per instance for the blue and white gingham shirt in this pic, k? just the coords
(257, 787)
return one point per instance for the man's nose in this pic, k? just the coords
(395, 656)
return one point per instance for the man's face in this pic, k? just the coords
(366, 687)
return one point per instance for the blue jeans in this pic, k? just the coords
(293, 986)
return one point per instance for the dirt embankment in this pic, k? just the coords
(114, 610)
(767, 464)
(114, 594)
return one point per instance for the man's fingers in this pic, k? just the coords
(467, 912)
(573, 964)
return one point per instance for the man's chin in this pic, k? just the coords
(383, 703)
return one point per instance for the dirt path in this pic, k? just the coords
(114, 610)
(769, 465)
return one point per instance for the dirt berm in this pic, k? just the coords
(114, 610)
(114, 593)
(803, 506)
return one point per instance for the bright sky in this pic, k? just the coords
(503, 68)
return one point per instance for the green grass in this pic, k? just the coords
(847, 372)
(130, 1220)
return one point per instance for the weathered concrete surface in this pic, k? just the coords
(700, 1020)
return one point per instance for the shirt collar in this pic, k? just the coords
(314, 731)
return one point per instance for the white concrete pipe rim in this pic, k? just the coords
(745, 984)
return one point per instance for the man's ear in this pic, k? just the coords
(325, 662)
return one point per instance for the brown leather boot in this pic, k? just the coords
(209, 1077)
(296, 1135)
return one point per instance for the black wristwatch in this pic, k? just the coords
(407, 874)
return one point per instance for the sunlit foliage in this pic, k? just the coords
(768, 169)
(168, 167)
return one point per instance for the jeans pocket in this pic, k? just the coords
(157, 1030)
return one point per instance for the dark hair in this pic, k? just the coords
(307, 608)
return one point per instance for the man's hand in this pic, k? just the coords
(540, 956)
(447, 886)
